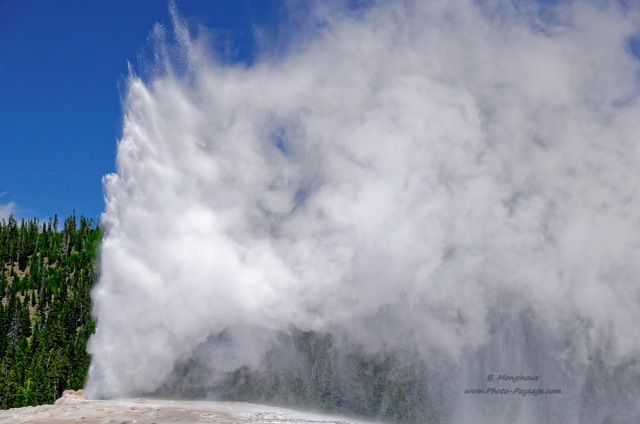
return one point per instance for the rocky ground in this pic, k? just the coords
(72, 407)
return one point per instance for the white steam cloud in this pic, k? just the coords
(6, 210)
(418, 174)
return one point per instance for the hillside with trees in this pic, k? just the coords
(46, 275)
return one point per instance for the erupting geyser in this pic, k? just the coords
(425, 207)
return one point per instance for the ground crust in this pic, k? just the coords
(72, 408)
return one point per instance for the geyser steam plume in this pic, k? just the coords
(454, 182)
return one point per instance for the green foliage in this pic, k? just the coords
(310, 370)
(46, 277)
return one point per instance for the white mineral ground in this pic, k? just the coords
(72, 407)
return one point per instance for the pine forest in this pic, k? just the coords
(46, 276)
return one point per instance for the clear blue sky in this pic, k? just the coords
(63, 66)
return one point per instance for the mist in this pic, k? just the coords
(455, 182)
(6, 210)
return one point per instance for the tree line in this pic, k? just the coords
(46, 275)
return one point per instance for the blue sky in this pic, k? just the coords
(62, 73)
